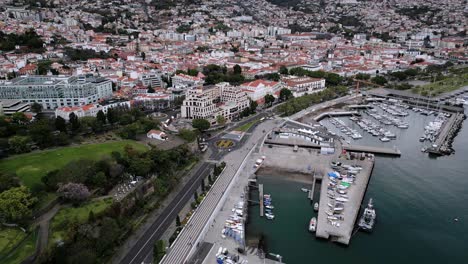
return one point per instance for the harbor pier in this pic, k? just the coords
(342, 233)
(442, 145)
(373, 150)
(260, 197)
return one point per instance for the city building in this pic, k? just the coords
(152, 79)
(256, 90)
(304, 85)
(57, 91)
(184, 80)
(156, 134)
(9, 107)
(89, 110)
(208, 102)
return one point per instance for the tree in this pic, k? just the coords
(177, 220)
(60, 124)
(220, 120)
(20, 144)
(101, 117)
(19, 117)
(158, 251)
(380, 80)
(36, 108)
(8, 181)
(237, 69)
(269, 99)
(253, 106)
(187, 134)
(143, 56)
(41, 133)
(73, 192)
(150, 89)
(283, 70)
(362, 76)
(195, 196)
(74, 122)
(15, 204)
(201, 124)
(112, 116)
(285, 94)
(110, 231)
(140, 166)
(203, 187)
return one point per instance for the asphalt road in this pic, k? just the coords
(144, 245)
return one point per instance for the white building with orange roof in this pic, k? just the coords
(184, 80)
(304, 85)
(256, 90)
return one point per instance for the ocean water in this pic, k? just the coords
(417, 199)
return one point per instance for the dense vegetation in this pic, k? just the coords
(332, 79)
(84, 54)
(30, 39)
(114, 222)
(216, 74)
(19, 135)
(299, 103)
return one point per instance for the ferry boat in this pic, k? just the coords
(313, 224)
(367, 220)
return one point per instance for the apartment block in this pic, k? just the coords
(57, 91)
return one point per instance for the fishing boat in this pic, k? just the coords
(313, 224)
(367, 220)
(316, 206)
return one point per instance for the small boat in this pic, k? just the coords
(340, 199)
(385, 139)
(421, 139)
(304, 189)
(312, 224)
(270, 216)
(269, 207)
(316, 206)
(424, 149)
(367, 220)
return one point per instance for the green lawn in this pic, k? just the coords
(447, 85)
(31, 167)
(9, 238)
(245, 127)
(65, 216)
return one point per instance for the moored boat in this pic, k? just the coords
(313, 224)
(316, 206)
(367, 220)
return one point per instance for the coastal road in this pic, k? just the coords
(236, 163)
(144, 246)
(142, 249)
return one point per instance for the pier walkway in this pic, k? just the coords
(335, 113)
(356, 191)
(373, 150)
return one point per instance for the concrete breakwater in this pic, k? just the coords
(443, 144)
